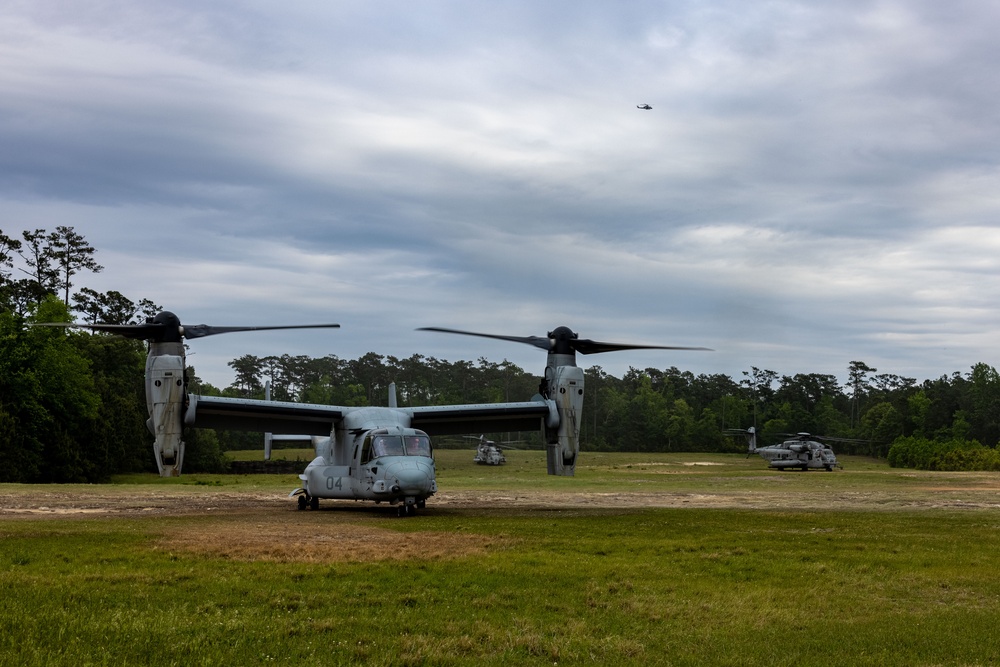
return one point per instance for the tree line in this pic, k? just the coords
(72, 403)
(662, 410)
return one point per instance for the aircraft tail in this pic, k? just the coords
(750, 434)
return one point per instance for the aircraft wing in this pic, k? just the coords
(483, 417)
(243, 414)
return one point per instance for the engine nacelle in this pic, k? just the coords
(165, 399)
(565, 387)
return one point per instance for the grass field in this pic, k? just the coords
(688, 559)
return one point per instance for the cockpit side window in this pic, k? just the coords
(366, 451)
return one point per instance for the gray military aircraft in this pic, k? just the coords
(488, 452)
(802, 451)
(382, 454)
(645, 107)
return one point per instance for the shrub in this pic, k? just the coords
(954, 454)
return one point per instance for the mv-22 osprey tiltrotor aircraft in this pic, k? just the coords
(362, 453)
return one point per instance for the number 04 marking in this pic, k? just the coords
(334, 483)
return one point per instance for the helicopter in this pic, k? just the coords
(374, 453)
(488, 452)
(802, 451)
(644, 107)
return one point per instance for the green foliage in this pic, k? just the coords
(924, 454)
(920, 406)
(118, 441)
(47, 397)
(202, 452)
(884, 424)
(982, 404)
(71, 404)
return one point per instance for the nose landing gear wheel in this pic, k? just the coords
(302, 502)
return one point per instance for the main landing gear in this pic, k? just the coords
(407, 507)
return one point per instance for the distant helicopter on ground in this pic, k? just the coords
(644, 107)
(801, 451)
(382, 454)
(489, 453)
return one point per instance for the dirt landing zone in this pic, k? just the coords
(54, 501)
(259, 526)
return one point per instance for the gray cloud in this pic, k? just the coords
(815, 183)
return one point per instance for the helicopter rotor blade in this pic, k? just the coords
(563, 340)
(820, 438)
(829, 438)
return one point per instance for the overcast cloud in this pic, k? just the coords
(816, 183)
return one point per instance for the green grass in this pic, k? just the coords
(570, 585)
(597, 472)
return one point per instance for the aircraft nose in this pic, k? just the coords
(412, 480)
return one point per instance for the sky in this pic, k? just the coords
(816, 183)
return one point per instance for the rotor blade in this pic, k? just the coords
(586, 346)
(537, 341)
(137, 331)
(830, 438)
(202, 330)
(158, 330)
(820, 438)
(583, 346)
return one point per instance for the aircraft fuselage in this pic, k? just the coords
(373, 455)
(798, 454)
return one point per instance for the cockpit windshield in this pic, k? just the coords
(417, 445)
(394, 445)
(387, 445)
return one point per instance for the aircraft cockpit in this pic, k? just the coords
(395, 445)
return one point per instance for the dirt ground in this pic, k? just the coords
(255, 526)
(982, 491)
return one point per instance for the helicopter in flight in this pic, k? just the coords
(488, 452)
(644, 107)
(801, 451)
(374, 453)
